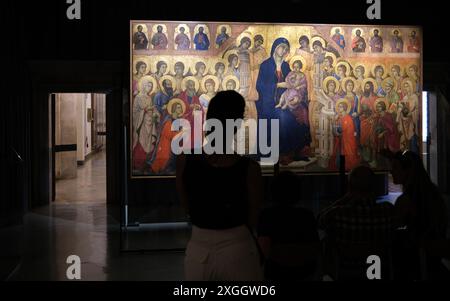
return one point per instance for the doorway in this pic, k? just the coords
(78, 163)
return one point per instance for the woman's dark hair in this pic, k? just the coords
(226, 105)
(285, 188)
(432, 219)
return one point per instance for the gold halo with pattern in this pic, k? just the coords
(227, 55)
(374, 83)
(332, 55)
(389, 71)
(320, 39)
(411, 84)
(186, 29)
(227, 79)
(333, 31)
(192, 78)
(343, 100)
(391, 82)
(144, 59)
(144, 28)
(344, 83)
(213, 78)
(170, 78)
(373, 30)
(327, 80)
(154, 66)
(409, 67)
(155, 28)
(356, 29)
(358, 66)
(195, 61)
(214, 62)
(381, 99)
(245, 34)
(186, 67)
(148, 78)
(382, 66)
(347, 66)
(298, 58)
(396, 29)
(205, 29)
(175, 101)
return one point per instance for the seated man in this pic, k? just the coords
(357, 223)
(288, 234)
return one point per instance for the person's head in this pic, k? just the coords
(359, 71)
(358, 33)
(396, 33)
(328, 61)
(161, 67)
(190, 86)
(285, 188)
(380, 107)
(226, 105)
(231, 84)
(376, 32)
(182, 30)
(223, 29)
(379, 71)
(304, 42)
(361, 182)
(368, 88)
(331, 86)
(395, 71)
(139, 28)
(179, 68)
(317, 46)
(342, 108)
(349, 86)
(407, 87)
(159, 28)
(341, 70)
(167, 84)
(210, 86)
(258, 40)
(245, 42)
(337, 31)
(200, 68)
(220, 68)
(413, 70)
(297, 66)
(282, 50)
(413, 34)
(146, 86)
(233, 60)
(176, 110)
(141, 67)
(201, 29)
(389, 86)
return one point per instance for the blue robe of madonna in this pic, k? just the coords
(293, 136)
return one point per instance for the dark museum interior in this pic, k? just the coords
(64, 194)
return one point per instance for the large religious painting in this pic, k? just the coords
(336, 90)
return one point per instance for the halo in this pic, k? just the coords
(186, 29)
(320, 39)
(228, 78)
(346, 64)
(167, 77)
(390, 69)
(144, 59)
(360, 65)
(205, 27)
(175, 101)
(186, 67)
(373, 29)
(196, 83)
(381, 99)
(409, 66)
(155, 28)
(195, 61)
(144, 27)
(297, 58)
(343, 100)
(333, 56)
(214, 78)
(357, 28)
(384, 70)
(328, 79)
(154, 65)
(387, 80)
(411, 83)
(245, 34)
(332, 31)
(212, 67)
(228, 53)
(344, 82)
(152, 80)
(373, 81)
(396, 29)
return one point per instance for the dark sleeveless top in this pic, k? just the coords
(217, 196)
